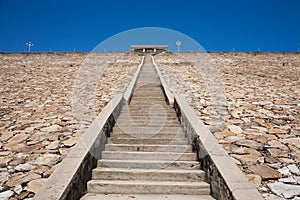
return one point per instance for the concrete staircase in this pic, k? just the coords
(147, 155)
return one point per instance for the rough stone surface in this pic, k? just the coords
(254, 179)
(294, 169)
(34, 186)
(250, 143)
(47, 159)
(265, 172)
(37, 121)
(261, 98)
(24, 167)
(6, 194)
(286, 190)
(235, 129)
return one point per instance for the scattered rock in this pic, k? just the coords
(6, 194)
(18, 138)
(265, 172)
(4, 161)
(70, 142)
(250, 143)
(47, 159)
(3, 177)
(224, 133)
(18, 189)
(254, 179)
(277, 144)
(52, 128)
(287, 180)
(235, 129)
(293, 141)
(275, 165)
(287, 190)
(248, 159)
(21, 178)
(24, 167)
(294, 169)
(277, 153)
(285, 171)
(35, 185)
(53, 145)
(277, 131)
(268, 196)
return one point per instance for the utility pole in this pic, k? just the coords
(29, 44)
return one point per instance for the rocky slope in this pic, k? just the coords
(38, 122)
(251, 103)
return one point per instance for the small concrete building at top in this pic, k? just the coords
(149, 48)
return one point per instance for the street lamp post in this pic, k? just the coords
(29, 44)
(178, 43)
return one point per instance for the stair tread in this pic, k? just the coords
(179, 171)
(92, 196)
(155, 183)
(151, 164)
(149, 145)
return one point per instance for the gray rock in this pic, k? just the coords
(294, 169)
(5, 195)
(21, 155)
(235, 129)
(271, 197)
(18, 189)
(24, 167)
(47, 159)
(275, 165)
(250, 143)
(285, 171)
(52, 128)
(4, 176)
(287, 180)
(297, 178)
(287, 190)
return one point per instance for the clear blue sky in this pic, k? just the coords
(245, 25)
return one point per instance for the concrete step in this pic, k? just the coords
(157, 92)
(137, 119)
(129, 155)
(155, 125)
(149, 126)
(147, 141)
(154, 118)
(145, 108)
(149, 112)
(145, 197)
(148, 103)
(149, 164)
(154, 135)
(141, 106)
(149, 148)
(150, 187)
(148, 97)
(148, 129)
(147, 174)
(146, 111)
(145, 123)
